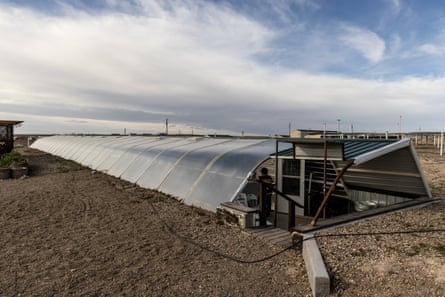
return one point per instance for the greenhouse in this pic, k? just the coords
(199, 171)
(208, 171)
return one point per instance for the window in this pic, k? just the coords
(291, 186)
(291, 177)
(291, 167)
(3, 132)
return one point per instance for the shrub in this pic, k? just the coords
(9, 159)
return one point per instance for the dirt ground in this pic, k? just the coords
(393, 265)
(70, 231)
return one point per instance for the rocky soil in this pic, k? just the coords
(70, 231)
(393, 265)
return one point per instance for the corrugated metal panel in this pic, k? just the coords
(354, 148)
(394, 172)
(399, 161)
(410, 185)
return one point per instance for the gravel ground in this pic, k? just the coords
(68, 231)
(393, 265)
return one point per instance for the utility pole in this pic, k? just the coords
(166, 126)
(400, 127)
(441, 143)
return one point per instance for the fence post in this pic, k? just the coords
(262, 204)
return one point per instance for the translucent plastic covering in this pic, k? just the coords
(201, 171)
(227, 174)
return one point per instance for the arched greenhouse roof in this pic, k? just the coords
(201, 171)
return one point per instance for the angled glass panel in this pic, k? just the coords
(165, 162)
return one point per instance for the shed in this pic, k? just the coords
(332, 177)
(7, 135)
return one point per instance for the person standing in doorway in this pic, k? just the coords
(267, 181)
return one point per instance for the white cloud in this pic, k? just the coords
(431, 49)
(284, 10)
(396, 5)
(193, 63)
(366, 42)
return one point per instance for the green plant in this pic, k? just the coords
(11, 158)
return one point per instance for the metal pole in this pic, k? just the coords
(309, 195)
(325, 164)
(441, 143)
(262, 204)
(400, 127)
(275, 219)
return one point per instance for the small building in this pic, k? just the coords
(7, 135)
(333, 177)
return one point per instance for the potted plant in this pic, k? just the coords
(13, 165)
(5, 172)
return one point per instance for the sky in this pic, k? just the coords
(241, 66)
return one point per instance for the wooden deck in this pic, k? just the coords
(343, 219)
(273, 235)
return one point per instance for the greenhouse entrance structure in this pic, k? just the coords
(351, 175)
(337, 177)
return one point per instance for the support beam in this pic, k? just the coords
(291, 216)
(329, 193)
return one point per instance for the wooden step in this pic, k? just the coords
(273, 235)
